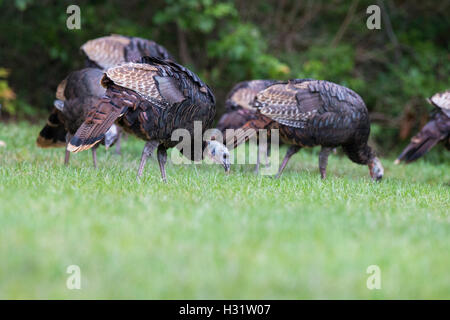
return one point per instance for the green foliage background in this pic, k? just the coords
(394, 69)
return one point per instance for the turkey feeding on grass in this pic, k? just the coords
(151, 99)
(309, 113)
(435, 131)
(239, 110)
(75, 96)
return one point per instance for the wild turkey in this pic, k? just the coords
(311, 112)
(239, 108)
(151, 99)
(75, 96)
(109, 51)
(436, 130)
(238, 104)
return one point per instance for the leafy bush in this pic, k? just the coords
(7, 95)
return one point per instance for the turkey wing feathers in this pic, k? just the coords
(152, 84)
(106, 51)
(98, 121)
(139, 47)
(288, 104)
(243, 94)
(298, 102)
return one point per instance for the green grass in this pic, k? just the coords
(204, 235)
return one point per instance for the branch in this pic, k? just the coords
(345, 24)
(183, 47)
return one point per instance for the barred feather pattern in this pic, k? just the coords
(239, 104)
(241, 96)
(150, 99)
(311, 112)
(109, 51)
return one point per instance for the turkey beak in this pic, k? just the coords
(226, 166)
(377, 178)
(376, 170)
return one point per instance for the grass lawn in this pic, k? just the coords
(204, 235)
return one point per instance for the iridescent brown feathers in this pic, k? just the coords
(109, 51)
(154, 83)
(239, 104)
(243, 94)
(152, 99)
(314, 112)
(75, 96)
(435, 131)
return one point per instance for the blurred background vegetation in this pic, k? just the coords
(394, 69)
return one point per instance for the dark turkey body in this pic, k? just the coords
(435, 131)
(149, 121)
(329, 130)
(242, 94)
(310, 113)
(236, 119)
(443, 125)
(332, 116)
(438, 128)
(82, 92)
(151, 99)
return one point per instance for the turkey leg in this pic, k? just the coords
(119, 138)
(323, 161)
(67, 157)
(94, 155)
(258, 157)
(162, 158)
(291, 151)
(150, 146)
(269, 149)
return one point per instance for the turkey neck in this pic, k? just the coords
(362, 154)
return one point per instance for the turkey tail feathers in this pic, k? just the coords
(241, 135)
(422, 142)
(248, 131)
(417, 148)
(98, 121)
(53, 135)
